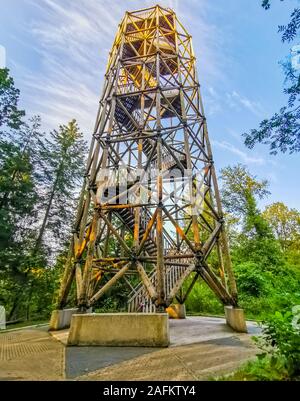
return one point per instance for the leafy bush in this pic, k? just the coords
(250, 279)
(281, 342)
(280, 359)
(202, 299)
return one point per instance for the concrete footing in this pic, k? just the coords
(120, 329)
(176, 311)
(61, 318)
(235, 319)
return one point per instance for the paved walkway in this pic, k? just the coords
(201, 347)
(31, 355)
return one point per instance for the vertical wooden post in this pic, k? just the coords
(83, 298)
(221, 262)
(106, 242)
(78, 280)
(160, 268)
(69, 267)
(224, 239)
(159, 236)
(176, 215)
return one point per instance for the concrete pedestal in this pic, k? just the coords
(235, 319)
(61, 318)
(176, 311)
(120, 329)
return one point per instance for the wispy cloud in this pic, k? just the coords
(238, 101)
(212, 102)
(240, 153)
(71, 41)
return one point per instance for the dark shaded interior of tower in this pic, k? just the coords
(149, 215)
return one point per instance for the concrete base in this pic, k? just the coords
(235, 319)
(176, 311)
(120, 329)
(61, 318)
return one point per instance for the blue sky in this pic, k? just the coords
(57, 52)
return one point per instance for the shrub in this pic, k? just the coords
(280, 341)
(202, 299)
(280, 360)
(250, 279)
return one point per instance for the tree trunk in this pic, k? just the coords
(46, 217)
(14, 308)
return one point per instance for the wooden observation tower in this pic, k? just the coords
(150, 206)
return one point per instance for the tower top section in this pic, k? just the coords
(147, 32)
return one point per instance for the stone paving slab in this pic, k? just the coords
(31, 355)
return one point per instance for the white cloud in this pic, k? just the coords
(71, 40)
(212, 102)
(236, 101)
(240, 153)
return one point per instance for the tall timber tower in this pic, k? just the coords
(150, 205)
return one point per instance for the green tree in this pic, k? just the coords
(19, 177)
(10, 115)
(38, 184)
(238, 187)
(18, 167)
(285, 224)
(65, 158)
(282, 131)
(254, 240)
(18, 192)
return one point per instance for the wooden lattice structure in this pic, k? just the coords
(150, 205)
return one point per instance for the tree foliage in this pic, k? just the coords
(238, 187)
(39, 175)
(285, 224)
(282, 131)
(267, 275)
(10, 115)
(65, 150)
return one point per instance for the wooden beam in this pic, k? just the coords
(109, 284)
(116, 234)
(147, 232)
(78, 274)
(179, 230)
(86, 278)
(146, 281)
(180, 283)
(191, 286)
